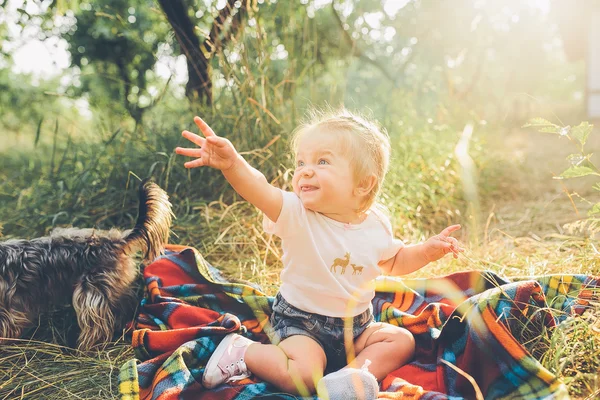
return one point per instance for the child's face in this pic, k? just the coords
(323, 178)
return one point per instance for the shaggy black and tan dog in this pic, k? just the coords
(92, 269)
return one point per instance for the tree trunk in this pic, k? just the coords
(199, 85)
(132, 108)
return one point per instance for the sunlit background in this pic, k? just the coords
(518, 56)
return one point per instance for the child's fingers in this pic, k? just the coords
(457, 250)
(450, 249)
(454, 246)
(204, 128)
(192, 137)
(188, 152)
(447, 239)
(194, 163)
(446, 232)
(217, 141)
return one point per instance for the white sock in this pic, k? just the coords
(349, 384)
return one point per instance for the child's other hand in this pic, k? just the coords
(439, 245)
(213, 151)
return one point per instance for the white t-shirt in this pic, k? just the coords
(329, 266)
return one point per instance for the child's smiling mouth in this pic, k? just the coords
(308, 188)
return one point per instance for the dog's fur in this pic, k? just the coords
(92, 269)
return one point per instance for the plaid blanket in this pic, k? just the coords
(468, 325)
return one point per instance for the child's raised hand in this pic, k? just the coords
(439, 245)
(213, 151)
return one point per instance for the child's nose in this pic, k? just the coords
(308, 171)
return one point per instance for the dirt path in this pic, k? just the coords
(533, 203)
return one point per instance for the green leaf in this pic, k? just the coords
(543, 125)
(550, 129)
(582, 131)
(594, 210)
(539, 123)
(38, 132)
(578, 171)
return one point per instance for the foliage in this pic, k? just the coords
(444, 58)
(25, 105)
(580, 162)
(114, 45)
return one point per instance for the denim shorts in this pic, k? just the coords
(287, 320)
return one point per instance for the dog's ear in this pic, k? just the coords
(126, 309)
(12, 323)
(94, 315)
(13, 318)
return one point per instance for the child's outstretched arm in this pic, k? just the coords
(411, 258)
(219, 153)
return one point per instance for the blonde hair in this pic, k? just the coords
(364, 140)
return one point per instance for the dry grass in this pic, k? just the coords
(522, 231)
(32, 369)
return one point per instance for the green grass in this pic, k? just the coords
(92, 182)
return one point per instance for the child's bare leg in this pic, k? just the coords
(388, 347)
(294, 366)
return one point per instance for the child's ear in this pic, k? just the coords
(365, 186)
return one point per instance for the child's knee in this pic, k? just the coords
(305, 365)
(405, 341)
(302, 376)
(301, 381)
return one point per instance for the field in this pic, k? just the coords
(454, 86)
(526, 225)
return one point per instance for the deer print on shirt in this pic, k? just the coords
(356, 269)
(344, 269)
(342, 262)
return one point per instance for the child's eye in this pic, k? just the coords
(323, 162)
(299, 163)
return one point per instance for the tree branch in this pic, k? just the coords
(198, 54)
(214, 41)
(358, 52)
